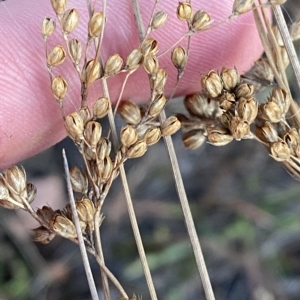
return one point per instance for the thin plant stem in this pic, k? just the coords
(82, 248)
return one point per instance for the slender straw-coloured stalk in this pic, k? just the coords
(82, 248)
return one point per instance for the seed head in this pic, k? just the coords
(128, 135)
(159, 81)
(74, 126)
(159, 20)
(267, 132)
(70, 20)
(179, 58)
(91, 71)
(106, 169)
(230, 78)
(79, 180)
(170, 126)
(270, 111)
(157, 105)
(15, 180)
(244, 90)
(263, 70)
(282, 98)
(43, 235)
(59, 6)
(48, 26)
(152, 136)
(193, 139)
(197, 105)
(149, 46)
(104, 148)
(239, 128)
(75, 51)
(92, 134)
(292, 139)
(45, 213)
(86, 210)
(200, 21)
(101, 107)
(63, 227)
(184, 11)
(113, 65)
(150, 64)
(85, 114)
(56, 56)
(31, 192)
(129, 112)
(134, 60)
(212, 84)
(247, 109)
(241, 6)
(219, 136)
(280, 151)
(137, 150)
(95, 24)
(59, 88)
(227, 101)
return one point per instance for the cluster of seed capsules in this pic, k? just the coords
(227, 110)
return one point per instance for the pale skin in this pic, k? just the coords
(30, 119)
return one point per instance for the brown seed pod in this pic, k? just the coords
(270, 111)
(79, 180)
(239, 128)
(75, 51)
(152, 136)
(149, 46)
(48, 27)
(106, 169)
(227, 101)
(184, 11)
(295, 30)
(280, 151)
(267, 133)
(157, 105)
(59, 6)
(200, 21)
(159, 81)
(159, 19)
(4, 192)
(92, 134)
(46, 213)
(137, 150)
(70, 20)
(15, 180)
(86, 210)
(212, 84)
(179, 58)
(63, 227)
(74, 126)
(230, 78)
(193, 139)
(59, 88)
(292, 139)
(5, 200)
(225, 118)
(101, 107)
(134, 60)
(244, 90)
(219, 136)
(241, 6)
(31, 192)
(113, 65)
(43, 235)
(95, 24)
(150, 64)
(104, 148)
(128, 135)
(282, 98)
(263, 70)
(85, 114)
(247, 109)
(56, 56)
(91, 71)
(170, 126)
(129, 112)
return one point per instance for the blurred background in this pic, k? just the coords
(245, 205)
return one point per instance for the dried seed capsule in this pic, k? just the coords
(46, 213)
(137, 150)
(282, 98)
(159, 20)
(86, 210)
(150, 64)
(263, 70)
(270, 111)
(129, 112)
(79, 180)
(134, 60)
(101, 107)
(244, 90)
(31, 192)
(85, 115)
(225, 118)
(95, 24)
(59, 6)
(128, 135)
(170, 126)
(56, 56)
(198, 105)
(91, 71)
(106, 169)
(247, 109)
(184, 11)
(70, 20)
(4, 192)
(179, 58)
(193, 139)
(200, 21)
(48, 27)
(277, 2)
(292, 139)
(267, 133)
(92, 134)
(15, 180)
(239, 128)
(230, 78)
(63, 227)
(284, 56)
(227, 101)
(219, 136)
(74, 126)
(159, 81)
(43, 235)
(295, 30)
(5, 200)
(104, 148)
(113, 65)
(157, 105)
(280, 151)
(149, 46)
(241, 6)
(212, 84)
(75, 51)
(59, 88)
(152, 136)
